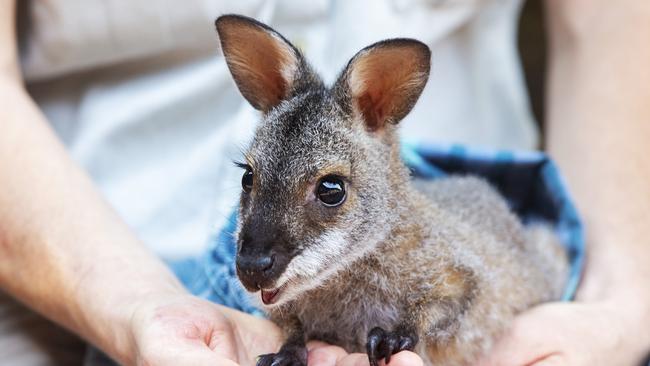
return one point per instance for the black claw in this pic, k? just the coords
(390, 346)
(264, 360)
(285, 357)
(375, 337)
(407, 343)
(382, 344)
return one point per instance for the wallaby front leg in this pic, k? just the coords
(438, 310)
(292, 353)
(382, 344)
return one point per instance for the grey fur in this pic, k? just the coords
(445, 259)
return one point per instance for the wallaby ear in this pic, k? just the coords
(383, 81)
(264, 64)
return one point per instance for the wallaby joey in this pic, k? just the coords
(342, 245)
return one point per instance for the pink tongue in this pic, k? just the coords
(268, 296)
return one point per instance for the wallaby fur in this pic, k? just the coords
(439, 267)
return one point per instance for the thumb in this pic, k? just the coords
(530, 340)
(222, 341)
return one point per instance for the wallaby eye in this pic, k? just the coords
(331, 191)
(247, 180)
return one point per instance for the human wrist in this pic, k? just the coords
(618, 286)
(629, 318)
(613, 275)
(107, 320)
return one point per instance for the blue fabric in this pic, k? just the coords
(529, 181)
(213, 275)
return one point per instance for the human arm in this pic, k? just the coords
(599, 133)
(67, 255)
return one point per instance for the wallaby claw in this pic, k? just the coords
(287, 357)
(382, 344)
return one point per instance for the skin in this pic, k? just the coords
(60, 241)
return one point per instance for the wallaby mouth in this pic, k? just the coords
(270, 297)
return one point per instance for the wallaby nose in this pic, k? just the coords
(255, 271)
(255, 264)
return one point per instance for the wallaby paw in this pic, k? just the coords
(382, 344)
(286, 357)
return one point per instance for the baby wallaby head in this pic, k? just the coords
(322, 177)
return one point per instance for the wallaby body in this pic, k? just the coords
(343, 246)
(456, 267)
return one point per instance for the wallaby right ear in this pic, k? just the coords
(265, 66)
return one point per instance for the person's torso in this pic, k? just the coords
(141, 96)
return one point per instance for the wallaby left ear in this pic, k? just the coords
(383, 81)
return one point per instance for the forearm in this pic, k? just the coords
(64, 251)
(599, 133)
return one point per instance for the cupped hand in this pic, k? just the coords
(181, 330)
(576, 334)
(185, 330)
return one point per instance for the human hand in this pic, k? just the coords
(576, 334)
(185, 330)
(181, 329)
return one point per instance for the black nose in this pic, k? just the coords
(253, 264)
(256, 271)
